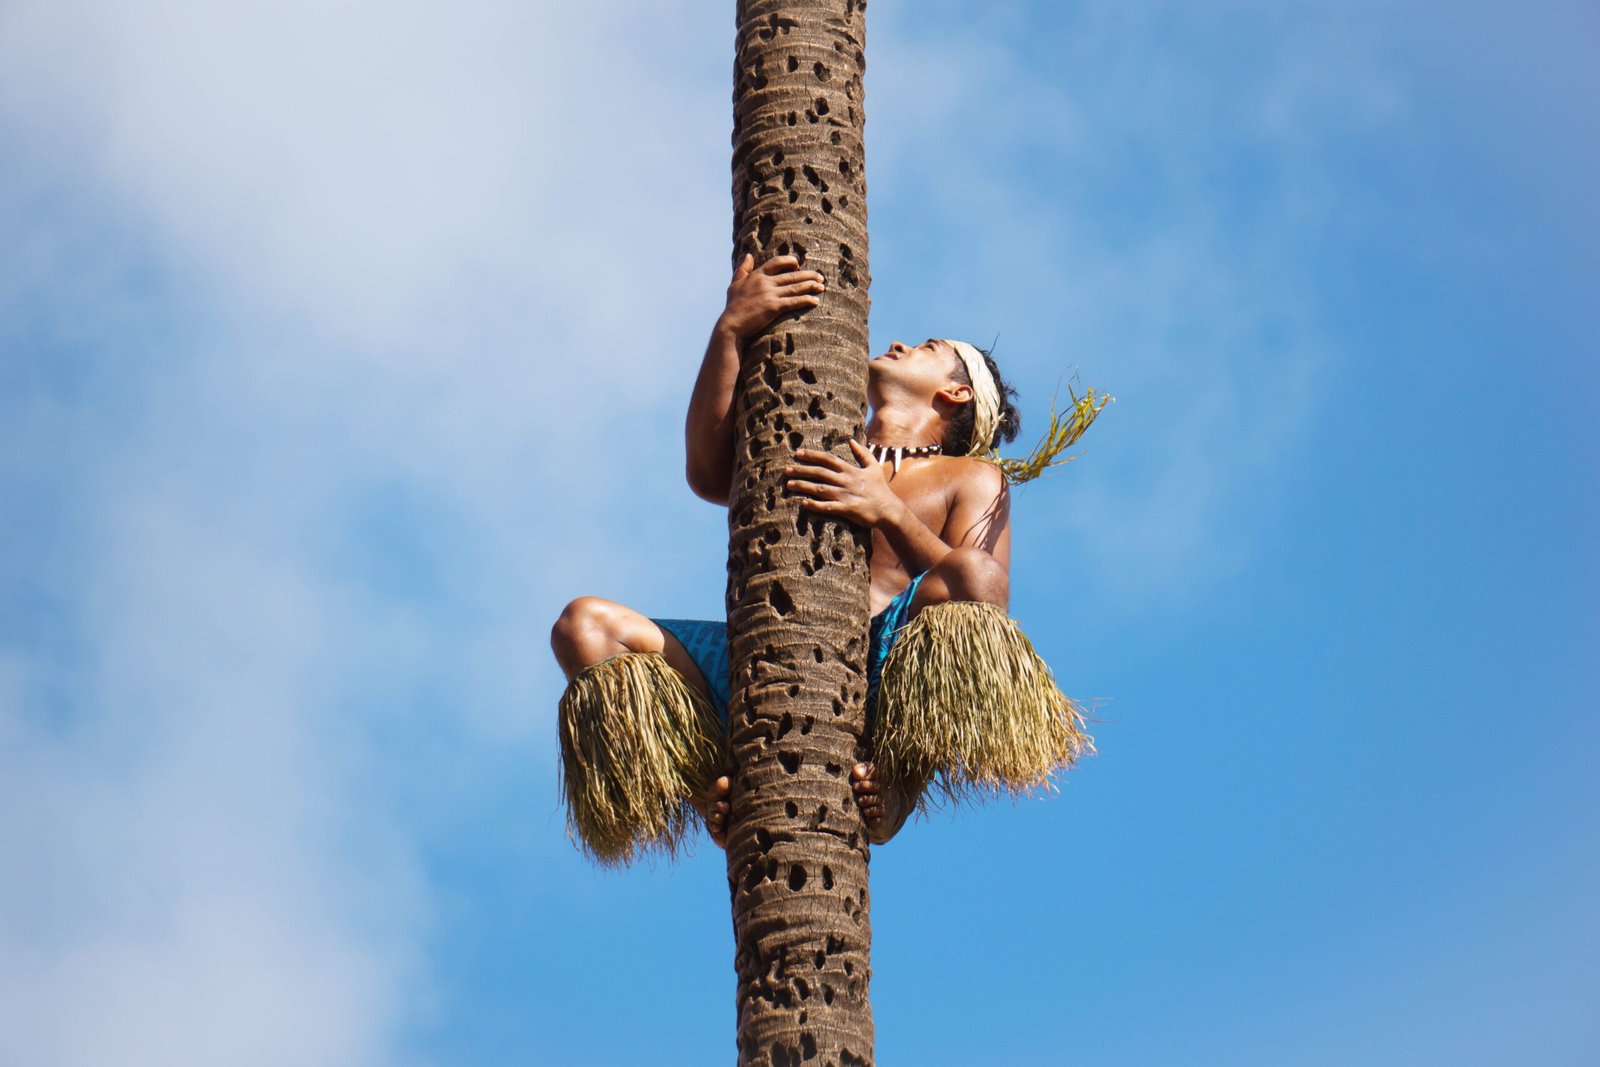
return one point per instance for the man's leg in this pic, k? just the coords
(592, 629)
(987, 718)
(963, 574)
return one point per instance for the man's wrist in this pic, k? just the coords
(893, 516)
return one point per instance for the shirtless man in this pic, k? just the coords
(940, 520)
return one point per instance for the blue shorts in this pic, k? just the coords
(707, 644)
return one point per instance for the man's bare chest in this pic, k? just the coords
(927, 494)
(924, 492)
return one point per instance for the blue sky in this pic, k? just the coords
(340, 344)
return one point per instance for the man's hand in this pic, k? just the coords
(756, 297)
(858, 493)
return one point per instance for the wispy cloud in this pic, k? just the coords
(389, 319)
(187, 841)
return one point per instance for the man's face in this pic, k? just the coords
(921, 372)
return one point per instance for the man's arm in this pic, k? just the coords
(979, 515)
(755, 299)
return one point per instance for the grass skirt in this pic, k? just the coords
(967, 706)
(639, 747)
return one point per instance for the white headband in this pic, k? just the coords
(985, 397)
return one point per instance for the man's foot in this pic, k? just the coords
(716, 811)
(884, 807)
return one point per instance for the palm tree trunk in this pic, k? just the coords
(798, 586)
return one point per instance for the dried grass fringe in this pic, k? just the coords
(638, 747)
(967, 706)
(1065, 429)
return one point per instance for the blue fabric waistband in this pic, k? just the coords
(706, 642)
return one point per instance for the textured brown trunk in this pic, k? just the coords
(798, 586)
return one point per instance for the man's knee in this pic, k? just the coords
(973, 574)
(585, 619)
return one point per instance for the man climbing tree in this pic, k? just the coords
(761, 723)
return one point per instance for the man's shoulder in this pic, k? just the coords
(969, 473)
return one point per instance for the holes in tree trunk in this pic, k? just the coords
(776, 25)
(784, 409)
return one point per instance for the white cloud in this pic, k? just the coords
(407, 250)
(185, 846)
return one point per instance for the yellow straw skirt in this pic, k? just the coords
(967, 706)
(639, 749)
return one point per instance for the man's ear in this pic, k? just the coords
(955, 393)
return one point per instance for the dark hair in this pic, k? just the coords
(958, 433)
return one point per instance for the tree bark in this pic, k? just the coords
(798, 585)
